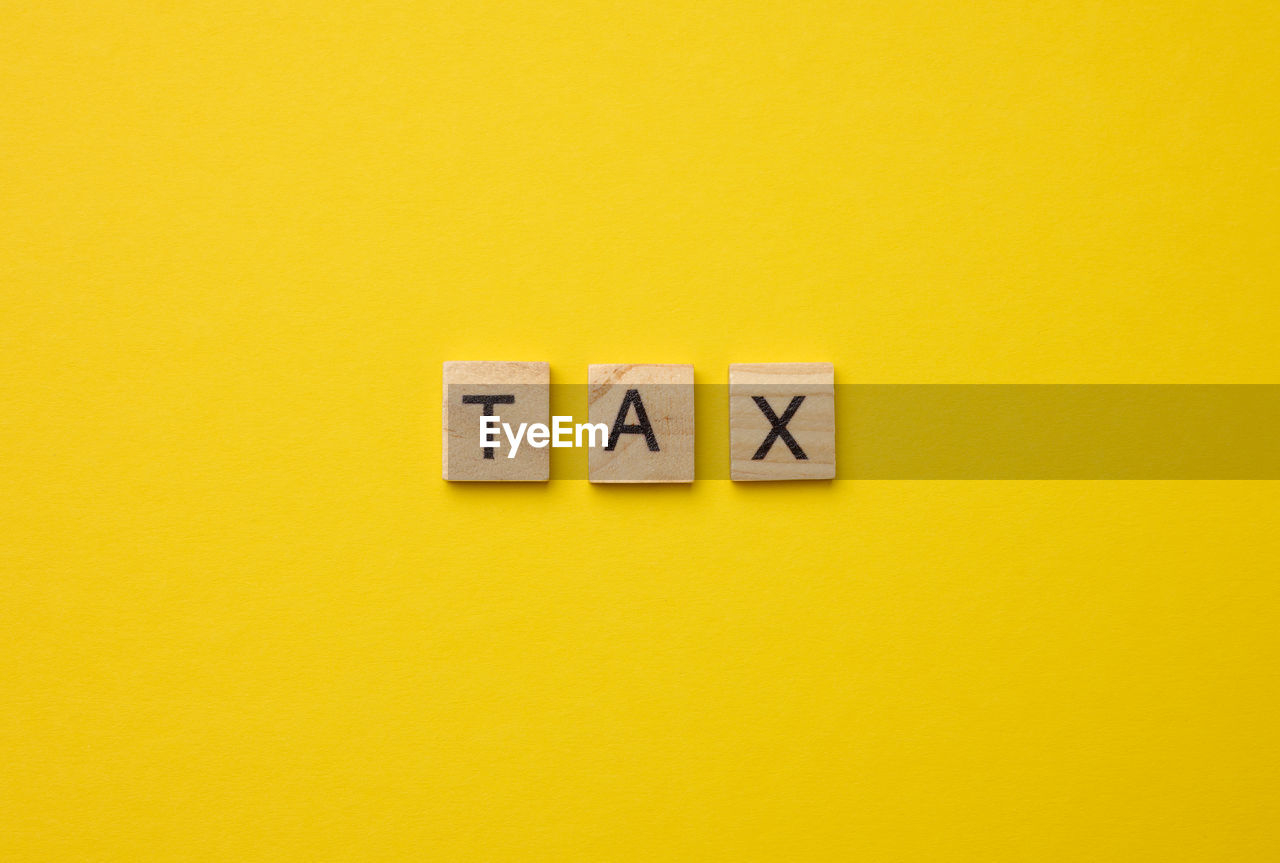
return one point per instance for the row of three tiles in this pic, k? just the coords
(640, 422)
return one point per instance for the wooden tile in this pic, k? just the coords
(649, 411)
(782, 421)
(516, 392)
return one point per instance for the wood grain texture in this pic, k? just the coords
(812, 427)
(666, 394)
(529, 385)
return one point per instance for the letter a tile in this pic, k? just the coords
(649, 412)
(782, 421)
(513, 392)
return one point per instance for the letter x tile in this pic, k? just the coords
(782, 421)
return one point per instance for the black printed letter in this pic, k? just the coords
(620, 428)
(488, 402)
(779, 429)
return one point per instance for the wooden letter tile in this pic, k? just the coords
(782, 421)
(515, 392)
(649, 412)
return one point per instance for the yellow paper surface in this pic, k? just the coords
(242, 618)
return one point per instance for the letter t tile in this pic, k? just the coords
(514, 392)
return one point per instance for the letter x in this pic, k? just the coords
(779, 428)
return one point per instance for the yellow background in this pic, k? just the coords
(242, 618)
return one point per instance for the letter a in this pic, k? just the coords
(620, 426)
